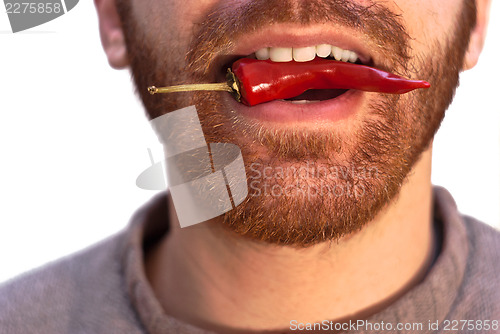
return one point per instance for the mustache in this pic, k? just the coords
(226, 21)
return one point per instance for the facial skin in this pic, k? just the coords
(238, 272)
(328, 179)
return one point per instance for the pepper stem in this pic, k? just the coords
(189, 88)
(232, 86)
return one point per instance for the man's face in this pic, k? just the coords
(317, 170)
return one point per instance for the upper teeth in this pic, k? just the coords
(306, 53)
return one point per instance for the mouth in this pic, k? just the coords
(278, 51)
(303, 55)
(316, 83)
(324, 78)
(312, 105)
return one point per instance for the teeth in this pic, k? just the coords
(262, 54)
(306, 53)
(323, 50)
(354, 57)
(346, 54)
(280, 54)
(337, 53)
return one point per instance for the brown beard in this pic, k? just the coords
(322, 185)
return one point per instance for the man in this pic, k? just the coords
(341, 229)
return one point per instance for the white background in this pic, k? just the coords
(73, 139)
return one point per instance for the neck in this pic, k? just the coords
(209, 278)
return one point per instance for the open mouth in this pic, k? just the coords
(304, 55)
(316, 95)
(297, 75)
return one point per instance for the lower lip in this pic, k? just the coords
(333, 110)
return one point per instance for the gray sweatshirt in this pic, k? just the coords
(103, 289)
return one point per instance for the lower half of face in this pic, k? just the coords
(316, 171)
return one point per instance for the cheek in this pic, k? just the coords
(169, 25)
(428, 21)
(173, 18)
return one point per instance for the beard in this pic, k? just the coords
(305, 185)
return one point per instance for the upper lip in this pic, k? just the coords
(294, 36)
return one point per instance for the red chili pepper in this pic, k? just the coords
(253, 81)
(262, 81)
